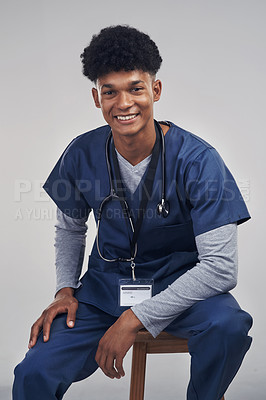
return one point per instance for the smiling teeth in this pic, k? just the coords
(125, 118)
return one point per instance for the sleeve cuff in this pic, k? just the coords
(70, 284)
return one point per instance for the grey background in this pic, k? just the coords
(213, 85)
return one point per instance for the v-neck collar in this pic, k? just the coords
(131, 167)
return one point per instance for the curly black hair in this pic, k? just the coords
(118, 48)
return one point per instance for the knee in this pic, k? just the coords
(25, 372)
(22, 377)
(232, 327)
(29, 374)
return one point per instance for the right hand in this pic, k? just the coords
(64, 302)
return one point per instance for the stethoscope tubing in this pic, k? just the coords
(113, 196)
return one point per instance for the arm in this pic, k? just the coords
(69, 253)
(215, 273)
(70, 242)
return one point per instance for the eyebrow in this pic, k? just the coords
(136, 82)
(110, 86)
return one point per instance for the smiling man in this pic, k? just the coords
(126, 99)
(165, 253)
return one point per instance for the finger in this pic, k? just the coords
(47, 325)
(100, 358)
(35, 330)
(109, 367)
(71, 315)
(119, 365)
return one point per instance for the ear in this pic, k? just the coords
(157, 90)
(96, 97)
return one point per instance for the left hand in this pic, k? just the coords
(116, 342)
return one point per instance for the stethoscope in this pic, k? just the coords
(162, 207)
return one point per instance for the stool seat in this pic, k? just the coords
(145, 344)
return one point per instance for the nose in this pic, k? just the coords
(124, 100)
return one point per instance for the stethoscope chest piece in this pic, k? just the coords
(163, 208)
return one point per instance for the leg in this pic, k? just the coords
(49, 368)
(216, 329)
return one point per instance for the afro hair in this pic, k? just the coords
(118, 48)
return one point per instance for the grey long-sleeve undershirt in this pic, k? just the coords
(215, 273)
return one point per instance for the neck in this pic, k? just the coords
(134, 148)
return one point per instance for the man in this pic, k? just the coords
(165, 255)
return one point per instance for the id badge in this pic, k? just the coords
(134, 292)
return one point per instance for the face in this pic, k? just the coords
(126, 99)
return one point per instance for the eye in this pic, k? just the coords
(108, 92)
(136, 89)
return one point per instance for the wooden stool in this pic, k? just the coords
(146, 344)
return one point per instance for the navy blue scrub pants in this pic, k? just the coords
(216, 329)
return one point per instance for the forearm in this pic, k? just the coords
(215, 273)
(70, 237)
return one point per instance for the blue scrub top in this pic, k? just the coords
(200, 189)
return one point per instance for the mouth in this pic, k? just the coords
(128, 117)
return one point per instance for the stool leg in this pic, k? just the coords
(138, 371)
